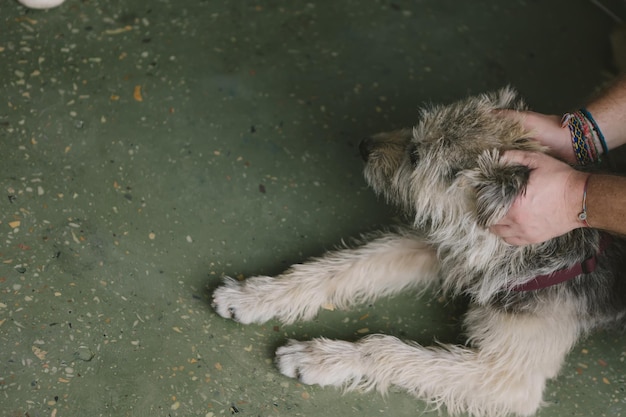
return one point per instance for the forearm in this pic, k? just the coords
(609, 111)
(606, 203)
(554, 200)
(554, 195)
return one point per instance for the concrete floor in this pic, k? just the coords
(149, 148)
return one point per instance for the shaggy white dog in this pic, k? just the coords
(528, 305)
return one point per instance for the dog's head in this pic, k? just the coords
(447, 170)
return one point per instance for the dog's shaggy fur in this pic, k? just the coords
(447, 175)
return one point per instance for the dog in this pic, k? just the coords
(447, 176)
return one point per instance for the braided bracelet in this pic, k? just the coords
(584, 130)
(596, 129)
(576, 123)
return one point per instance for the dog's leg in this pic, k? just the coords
(384, 266)
(503, 372)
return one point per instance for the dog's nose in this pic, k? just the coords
(365, 147)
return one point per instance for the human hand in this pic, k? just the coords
(550, 205)
(547, 130)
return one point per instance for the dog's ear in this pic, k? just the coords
(496, 185)
(506, 99)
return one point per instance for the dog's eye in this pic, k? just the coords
(413, 156)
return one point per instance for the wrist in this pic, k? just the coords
(587, 141)
(566, 151)
(576, 200)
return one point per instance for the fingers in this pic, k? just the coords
(516, 115)
(511, 228)
(530, 120)
(516, 241)
(508, 234)
(521, 158)
(546, 130)
(504, 231)
(500, 229)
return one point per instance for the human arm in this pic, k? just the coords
(550, 204)
(606, 203)
(554, 199)
(608, 110)
(554, 193)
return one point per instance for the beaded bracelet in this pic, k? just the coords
(584, 130)
(579, 132)
(596, 129)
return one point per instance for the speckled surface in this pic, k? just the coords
(149, 148)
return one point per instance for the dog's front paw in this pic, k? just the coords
(245, 302)
(224, 296)
(321, 361)
(230, 300)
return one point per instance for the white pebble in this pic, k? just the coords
(41, 4)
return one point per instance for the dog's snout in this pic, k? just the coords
(365, 147)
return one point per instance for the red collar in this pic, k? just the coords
(585, 267)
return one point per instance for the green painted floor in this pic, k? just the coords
(149, 148)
